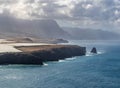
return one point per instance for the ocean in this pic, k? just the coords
(100, 70)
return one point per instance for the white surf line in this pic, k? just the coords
(101, 52)
(89, 54)
(45, 64)
(92, 54)
(61, 60)
(68, 59)
(71, 58)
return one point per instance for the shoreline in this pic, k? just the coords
(36, 55)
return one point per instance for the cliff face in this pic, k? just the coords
(40, 55)
(56, 54)
(19, 58)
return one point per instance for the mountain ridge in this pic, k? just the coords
(91, 34)
(44, 28)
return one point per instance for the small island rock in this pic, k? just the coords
(94, 50)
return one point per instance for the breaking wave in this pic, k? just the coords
(92, 54)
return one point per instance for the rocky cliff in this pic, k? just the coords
(59, 52)
(40, 54)
(19, 58)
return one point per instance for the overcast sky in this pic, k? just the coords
(83, 13)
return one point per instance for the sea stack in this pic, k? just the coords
(94, 50)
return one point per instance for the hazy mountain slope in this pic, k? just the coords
(35, 28)
(79, 33)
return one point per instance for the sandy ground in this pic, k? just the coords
(9, 47)
(40, 47)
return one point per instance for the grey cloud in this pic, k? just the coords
(103, 11)
(99, 11)
(108, 2)
(96, 12)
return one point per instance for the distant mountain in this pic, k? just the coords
(12, 27)
(91, 34)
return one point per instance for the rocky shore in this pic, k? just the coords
(41, 53)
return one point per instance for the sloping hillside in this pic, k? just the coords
(12, 27)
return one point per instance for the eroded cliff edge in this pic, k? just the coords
(41, 53)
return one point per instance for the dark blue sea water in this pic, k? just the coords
(90, 71)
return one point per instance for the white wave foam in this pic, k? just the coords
(101, 52)
(73, 58)
(45, 64)
(61, 61)
(67, 59)
(92, 54)
(89, 54)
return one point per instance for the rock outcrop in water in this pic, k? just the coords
(94, 50)
(40, 54)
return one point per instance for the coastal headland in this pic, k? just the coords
(39, 53)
